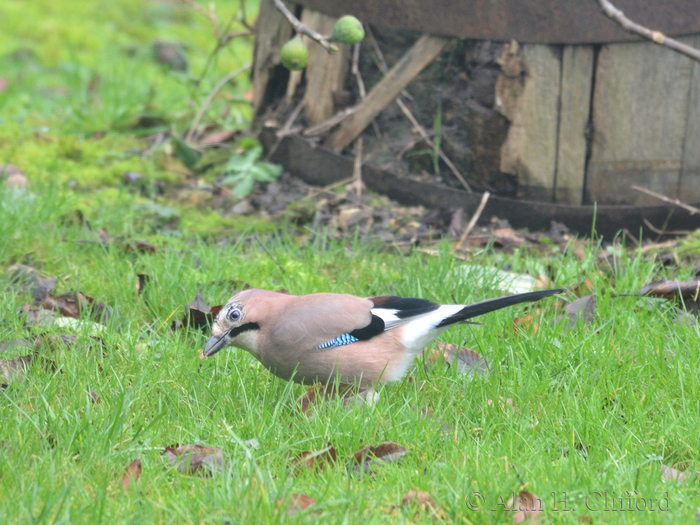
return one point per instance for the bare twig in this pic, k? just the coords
(379, 59)
(209, 15)
(690, 209)
(224, 38)
(285, 130)
(665, 232)
(472, 222)
(268, 253)
(302, 29)
(357, 166)
(318, 191)
(328, 124)
(360, 82)
(211, 96)
(657, 37)
(430, 144)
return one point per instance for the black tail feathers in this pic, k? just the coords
(490, 305)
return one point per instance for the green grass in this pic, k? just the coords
(64, 455)
(67, 117)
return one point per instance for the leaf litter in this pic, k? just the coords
(196, 459)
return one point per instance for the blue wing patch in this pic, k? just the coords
(342, 340)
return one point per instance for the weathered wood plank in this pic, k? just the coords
(689, 188)
(422, 53)
(574, 112)
(273, 32)
(325, 73)
(640, 112)
(530, 149)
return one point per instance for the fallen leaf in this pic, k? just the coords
(424, 502)
(527, 322)
(198, 314)
(372, 456)
(580, 311)
(686, 292)
(585, 287)
(15, 369)
(527, 507)
(315, 460)
(132, 473)
(138, 245)
(196, 459)
(142, 280)
(297, 503)
(507, 237)
(217, 137)
(38, 316)
(467, 361)
(672, 474)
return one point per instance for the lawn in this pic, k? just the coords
(569, 414)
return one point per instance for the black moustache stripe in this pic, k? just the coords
(235, 332)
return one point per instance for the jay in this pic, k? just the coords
(327, 336)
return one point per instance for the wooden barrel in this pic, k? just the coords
(591, 111)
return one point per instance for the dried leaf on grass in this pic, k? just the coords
(196, 459)
(316, 460)
(350, 394)
(71, 304)
(527, 506)
(369, 457)
(14, 369)
(138, 245)
(424, 503)
(672, 474)
(467, 361)
(686, 292)
(198, 314)
(577, 313)
(131, 474)
(297, 503)
(217, 137)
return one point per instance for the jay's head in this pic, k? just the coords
(236, 325)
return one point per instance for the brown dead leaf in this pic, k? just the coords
(15, 369)
(217, 137)
(196, 459)
(585, 287)
(369, 457)
(350, 393)
(38, 316)
(527, 507)
(686, 292)
(424, 503)
(297, 503)
(198, 314)
(579, 312)
(71, 304)
(138, 245)
(316, 460)
(527, 322)
(507, 237)
(672, 474)
(467, 361)
(132, 473)
(142, 280)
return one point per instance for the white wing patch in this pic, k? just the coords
(418, 330)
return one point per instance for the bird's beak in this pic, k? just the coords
(214, 345)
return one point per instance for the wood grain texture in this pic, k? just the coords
(640, 113)
(422, 53)
(273, 31)
(689, 187)
(325, 73)
(575, 106)
(530, 149)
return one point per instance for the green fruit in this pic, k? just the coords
(348, 30)
(294, 54)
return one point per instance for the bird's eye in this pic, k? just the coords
(234, 315)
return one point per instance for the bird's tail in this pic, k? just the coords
(484, 307)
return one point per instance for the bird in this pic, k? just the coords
(327, 337)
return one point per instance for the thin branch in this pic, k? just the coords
(379, 59)
(211, 96)
(357, 166)
(328, 124)
(657, 37)
(361, 83)
(268, 253)
(472, 222)
(430, 144)
(285, 130)
(224, 38)
(302, 29)
(665, 232)
(209, 15)
(690, 209)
